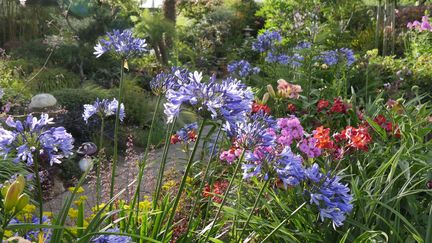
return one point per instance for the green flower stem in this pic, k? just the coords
(143, 163)
(98, 166)
(225, 195)
(183, 181)
(204, 179)
(116, 131)
(254, 207)
(283, 222)
(39, 188)
(162, 164)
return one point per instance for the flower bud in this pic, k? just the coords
(23, 200)
(271, 90)
(415, 88)
(12, 196)
(265, 98)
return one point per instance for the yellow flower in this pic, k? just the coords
(79, 190)
(96, 208)
(48, 214)
(29, 208)
(168, 185)
(126, 206)
(78, 202)
(8, 233)
(189, 180)
(73, 213)
(144, 205)
(83, 198)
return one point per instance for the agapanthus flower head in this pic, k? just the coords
(333, 57)
(288, 90)
(332, 198)
(303, 45)
(348, 54)
(266, 41)
(242, 68)
(121, 43)
(34, 137)
(167, 80)
(103, 108)
(289, 168)
(229, 100)
(329, 58)
(256, 132)
(112, 238)
(186, 134)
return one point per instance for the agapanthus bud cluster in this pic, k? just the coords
(34, 137)
(103, 108)
(121, 43)
(266, 41)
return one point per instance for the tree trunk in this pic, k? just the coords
(169, 11)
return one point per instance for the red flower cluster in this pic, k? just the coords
(260, 107)
(358, 138)
(350, 138)
(388, 126)
(292, 108)
(338, 106)
(219, 188)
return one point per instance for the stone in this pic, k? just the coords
(41, 101)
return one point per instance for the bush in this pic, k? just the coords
(54, 79)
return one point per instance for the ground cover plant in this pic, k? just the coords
(217, 121)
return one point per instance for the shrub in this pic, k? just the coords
(52, 79)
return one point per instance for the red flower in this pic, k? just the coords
(292, 108)
(322, 135)
(260, 107)
(429, 184)
(174, 139)
(358, 138)
(192, 135)
(380, 120)
(322, 104)
(339, 106)
(219, 188)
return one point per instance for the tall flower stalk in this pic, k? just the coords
(183, 181)
(124, 45)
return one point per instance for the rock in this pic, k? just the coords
(42, 101)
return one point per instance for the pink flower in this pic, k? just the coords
(288, 90)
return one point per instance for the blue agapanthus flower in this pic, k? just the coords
(289, 168)
(266, 41)
(121, 43)
(333, 199)
(349, 56)
(112, 238)
(229, 100)
(334, 57)
(242, 68)
(34, 137)
(303, 45)
(103, 108)
(283, 59)
(167, 80)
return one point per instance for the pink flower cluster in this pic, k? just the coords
(230, 155)
(424, 25)
(290, 129)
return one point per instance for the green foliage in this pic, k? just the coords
(52, 79)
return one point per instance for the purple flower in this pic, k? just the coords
(104, 108)
(333, 198)
(121, 43)
(242, 68)
(112, 238)
(329, 58)
(34, 136)
(289, 168)
(266, 41)
(303, 45)
(308, 147)
(165, 81)
(33, 235)
(349, 55)
(184, 133)
(229, 100)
